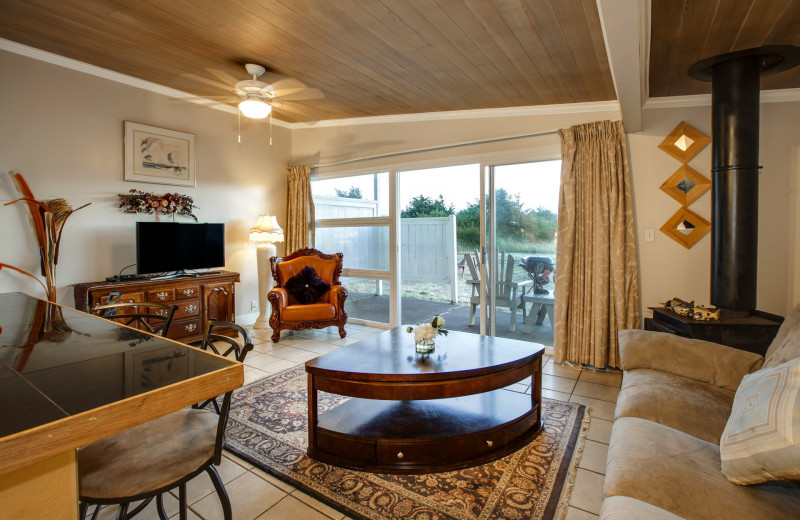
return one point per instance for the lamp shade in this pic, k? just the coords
(255, 109)
(266, 229)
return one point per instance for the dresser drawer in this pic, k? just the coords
(182, 328)
(186, 309)
(185, 292)
(102, 298)
(164, 295)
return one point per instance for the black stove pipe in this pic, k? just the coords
(735, 90)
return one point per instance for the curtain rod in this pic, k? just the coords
(435, 148)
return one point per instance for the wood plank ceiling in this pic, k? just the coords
(686, 31)
(381, 57)
(369, 57)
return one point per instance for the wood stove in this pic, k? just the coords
(735, 91)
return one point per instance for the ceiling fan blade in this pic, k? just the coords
(223, 76)
(207, 81)
(287, 83)
(192, 102)
(227, 99)
(298, 94)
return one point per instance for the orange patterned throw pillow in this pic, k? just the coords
(306, 286)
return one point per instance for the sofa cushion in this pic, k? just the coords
(682, 403)
(310, 312)
(306, 286)
(771, 359)
(788, 348)
(626, 508)
(693, 358)
(761, 441)
(681, 474)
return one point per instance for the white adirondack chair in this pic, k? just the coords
(508, 293)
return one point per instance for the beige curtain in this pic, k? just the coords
(299, 209)
(597, 275)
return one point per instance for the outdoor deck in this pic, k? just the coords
(456, 316)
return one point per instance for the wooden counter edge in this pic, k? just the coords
(43, 442)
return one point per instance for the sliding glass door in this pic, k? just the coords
(518, 247)
(472, 243)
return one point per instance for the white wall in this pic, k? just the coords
(63, 130)
(326, 145)
(667, 268)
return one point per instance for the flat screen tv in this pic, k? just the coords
(167, 247)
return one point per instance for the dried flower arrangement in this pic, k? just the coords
(47, 220)
(168, 204)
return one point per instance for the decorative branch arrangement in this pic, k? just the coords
(47, 221)
(168, 204)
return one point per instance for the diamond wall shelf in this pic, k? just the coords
(686, 227)
(686, 185)
(684, 142)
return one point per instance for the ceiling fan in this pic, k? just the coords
(255, 98)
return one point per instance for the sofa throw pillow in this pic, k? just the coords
(788, 348)
(306, 286)
(761, 441)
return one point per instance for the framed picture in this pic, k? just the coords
(158, 155)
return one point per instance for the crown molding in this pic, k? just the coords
(79, 66)
(566, 108)
(701, 100)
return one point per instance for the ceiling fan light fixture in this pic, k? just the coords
(255, 109)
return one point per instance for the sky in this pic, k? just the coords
(537, 183)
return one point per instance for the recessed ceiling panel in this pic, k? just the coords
(368, 57)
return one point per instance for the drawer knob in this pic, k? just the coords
(190, 308)
(489, 443)
(162, 313)
(190, 327)
(399, 454)
(162, 295)
(188, 292)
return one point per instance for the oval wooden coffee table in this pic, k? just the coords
(417, 414)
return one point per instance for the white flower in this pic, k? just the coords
(425, 331)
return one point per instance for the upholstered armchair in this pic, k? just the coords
(307, 294)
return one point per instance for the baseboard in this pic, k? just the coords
(246, 319)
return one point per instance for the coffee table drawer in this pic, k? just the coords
(440, 452)
(348, 448)
(516, 430)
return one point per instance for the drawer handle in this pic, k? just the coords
(162, 313)
(162, 295)
(188, 292)
(489, 443)
(190, 308)
(399, 454)
(190, 327)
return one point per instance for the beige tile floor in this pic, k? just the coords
(257, 495)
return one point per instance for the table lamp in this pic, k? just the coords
(266, 231)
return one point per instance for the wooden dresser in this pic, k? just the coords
(199, 299)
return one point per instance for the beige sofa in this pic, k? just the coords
(664, 456)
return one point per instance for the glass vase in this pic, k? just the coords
(425, 346)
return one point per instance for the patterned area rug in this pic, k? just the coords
(267, 427)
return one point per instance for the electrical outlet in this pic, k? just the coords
(649, 235)
(254, 305)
